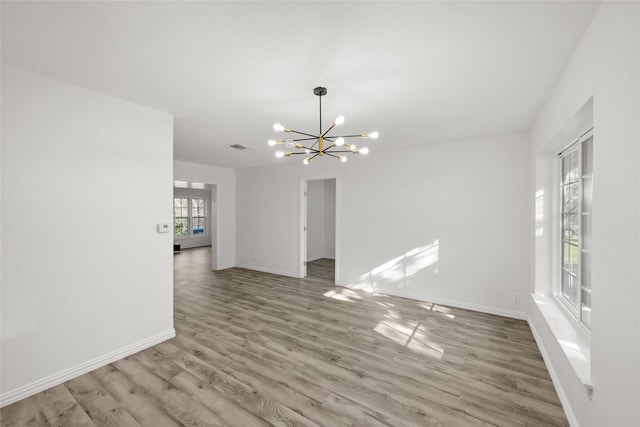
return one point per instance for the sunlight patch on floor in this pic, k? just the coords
(444, 311)
(343, 295)
(411, 338)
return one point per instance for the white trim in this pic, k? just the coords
(302, 228)
(566, 406)
(88, 366)
(454, 303)
(268, 270)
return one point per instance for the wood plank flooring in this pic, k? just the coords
(255, 349)
(323, 268)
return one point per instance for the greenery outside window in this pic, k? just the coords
(190, 216)
(576, 195)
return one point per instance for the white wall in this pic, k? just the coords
(225, 180)
(447, 222)
(86, 278)
(315, 220)
(604, 66)
(198, 240)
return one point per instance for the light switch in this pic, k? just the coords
(164, 227)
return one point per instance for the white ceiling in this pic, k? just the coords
(418, 72)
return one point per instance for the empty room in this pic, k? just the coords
(320, 213)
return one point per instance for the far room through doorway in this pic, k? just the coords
(195, 216)
(320, 232)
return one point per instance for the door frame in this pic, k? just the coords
(214, 221)
(302, 222)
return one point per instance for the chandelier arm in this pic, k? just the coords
(308, 148)
(304, 139)
(302, 133)
(347, 136)
(341, 151)
(329, 130)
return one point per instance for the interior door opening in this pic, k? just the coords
(318, 231)
(196, 217)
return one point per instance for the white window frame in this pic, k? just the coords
(576, 311)
(190, 234)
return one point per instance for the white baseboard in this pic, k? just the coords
(88, 366)
(458, 304)
(268, 270)
(573, 421)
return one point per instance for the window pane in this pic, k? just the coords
(570, 258)
(198, 226)
(181, 226)
(571, 197)
(570, 228)
(570, 169)
(198, 207)
(570, 288)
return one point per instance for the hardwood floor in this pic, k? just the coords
(323, 268)
(255, 349)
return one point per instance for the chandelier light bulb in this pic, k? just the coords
(288, 143)
(279, 154)
(373, 135)
(340, 142)
(339, 120)
(306, 161)
(307, 151)
(353, 147)
(277, 127)
(364, 151)
(272, 142)
(343, 159)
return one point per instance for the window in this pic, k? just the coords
(190, 216)
(198, 216)
(576, 193)
(181, 216)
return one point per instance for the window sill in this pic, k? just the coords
(573, 339)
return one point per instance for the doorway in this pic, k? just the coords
(196, 217)
(318, 231)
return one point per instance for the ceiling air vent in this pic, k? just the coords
(241, 147)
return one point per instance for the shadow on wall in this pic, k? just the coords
(398, 271)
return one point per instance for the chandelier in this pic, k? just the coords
(321, 144)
